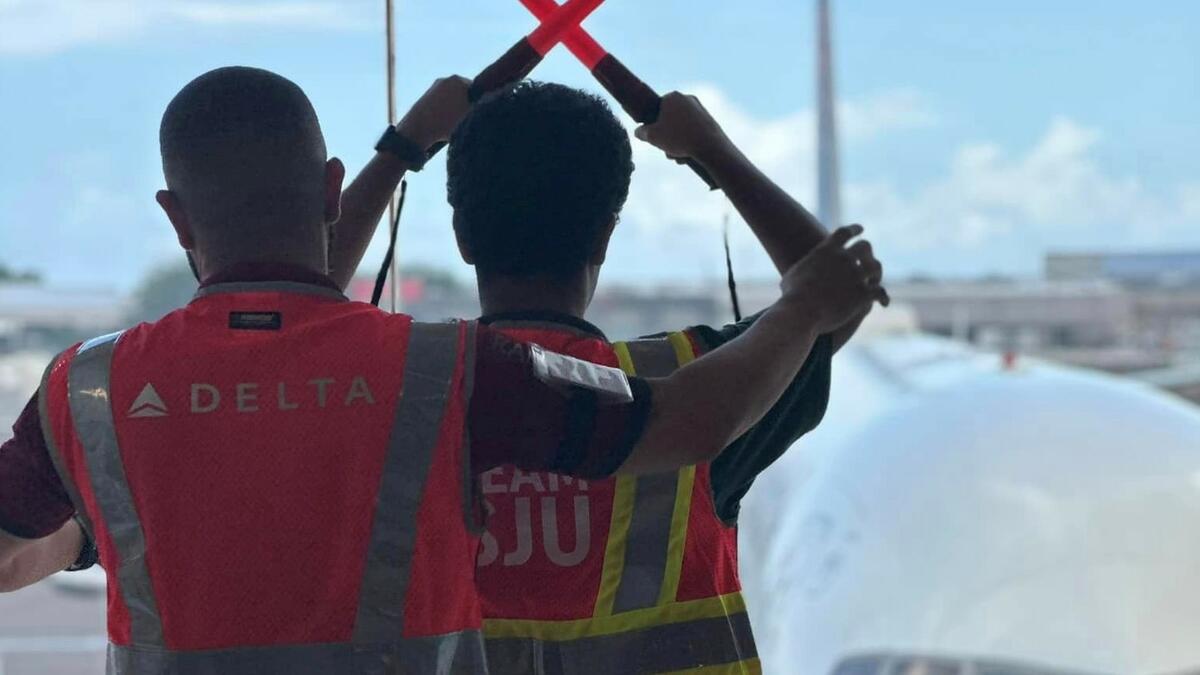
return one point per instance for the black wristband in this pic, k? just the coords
(88, 555)
(395, 144)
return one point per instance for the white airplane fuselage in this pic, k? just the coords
(950, 506)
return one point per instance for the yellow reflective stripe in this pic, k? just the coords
(679, 528)
(745, 667)
(683, 348)
(684, 354)
(623, 358)
(614, 549)
(559, 631)
(618, 529)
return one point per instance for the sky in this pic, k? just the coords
(975, 136)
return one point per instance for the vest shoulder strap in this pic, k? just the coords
(644, 557)
(46, 419)
(428, 380)
(89, 396)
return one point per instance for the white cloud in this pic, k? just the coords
(991, 209)
(40, 27)
(1055, 194)
(1189, 197)
(664, 197)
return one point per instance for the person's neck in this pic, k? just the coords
(217, 265)
(502, 295)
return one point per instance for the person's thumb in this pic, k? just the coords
(642, 133)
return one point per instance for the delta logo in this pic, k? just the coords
(148, 403)
(253, 397)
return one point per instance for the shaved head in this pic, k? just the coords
(243, 153)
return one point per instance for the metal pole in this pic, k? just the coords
(829, 199)
(391, 116)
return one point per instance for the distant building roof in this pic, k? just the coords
(1168, 268)
(48, 306)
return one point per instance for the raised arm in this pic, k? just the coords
(786, 230)
(431, 120)
(704, 406)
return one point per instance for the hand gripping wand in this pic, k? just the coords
(512, 66)
(637, 98)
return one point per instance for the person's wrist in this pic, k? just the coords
(413, 133)
(716, 150)
(802, 307)
(399, 144)
(794, 320)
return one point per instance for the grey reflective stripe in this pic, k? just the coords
(657, 649)
(88, 393)
(427, 381)
(270, 287)
(472, 515)
(56, 456)
(649, 536)
(452, 654)
(647, 542)
(653, 357)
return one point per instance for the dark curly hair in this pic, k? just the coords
(535, 174)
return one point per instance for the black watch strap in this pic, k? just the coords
(395, 144)
(88, 555)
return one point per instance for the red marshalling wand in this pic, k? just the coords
(635, 96)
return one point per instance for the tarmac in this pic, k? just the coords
(47, 629)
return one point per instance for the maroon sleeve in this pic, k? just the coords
(515, 418)
(33, 501)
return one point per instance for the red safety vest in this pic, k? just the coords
(625, 576)
(287, 499)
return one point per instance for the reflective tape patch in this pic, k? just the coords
(88, 394)
(638, 619)
(610, 384)
(653, 357)
(56, 456)
(647, 542)
(459, 653)
(645, 575)
(429, 365)
(705, 643)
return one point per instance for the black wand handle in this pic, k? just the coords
(641, 102)
(514, 65)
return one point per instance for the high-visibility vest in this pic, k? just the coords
(274, 477)
(626, 576)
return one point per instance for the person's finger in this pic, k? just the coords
(873, 270)
(881, 296)
(844, 234)
(861, 251)
(642, 133)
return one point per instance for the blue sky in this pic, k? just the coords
(976, 136)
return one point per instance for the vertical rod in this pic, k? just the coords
(391, 116)
(829, 202)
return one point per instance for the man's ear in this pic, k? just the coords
(335, 173)
(600, 252)
(464, 247)
(170, 204)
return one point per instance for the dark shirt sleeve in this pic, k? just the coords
(797, 412)
(33, 501)
(516, 418)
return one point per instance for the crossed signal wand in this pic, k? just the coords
(559, 23)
